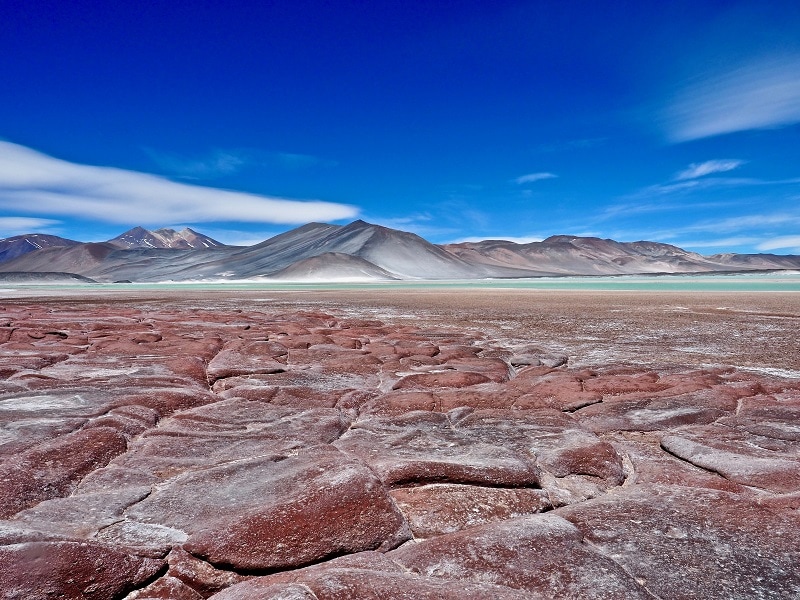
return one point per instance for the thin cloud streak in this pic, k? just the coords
(47, 185)
(787, 241)
(719, 243)
(760, 95)
(531, 177)
(705, 183)
(695, 170)
(738, 227)
(11, 226)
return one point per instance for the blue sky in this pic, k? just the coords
(669, 121)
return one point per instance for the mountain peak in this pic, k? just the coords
(17, 245)
(139, 237)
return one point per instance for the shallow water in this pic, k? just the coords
(783, 281)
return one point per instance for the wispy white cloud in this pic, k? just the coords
(761, 94)
(638, 208)
(728, 242)
(746, 222)
(786, 241)
(11, 226)
(531, 177)
(708, 167)
(740, 230)
(687, 186)
(50, 186)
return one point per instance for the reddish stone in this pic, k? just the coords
(648, 463)
(493, 397)
(230, 430)
(71, 570)
(617, 383)
(165, 401)
(380, 348)
(18, 435)
(346, 341)
(165, 588)
(445, 508)
(537, 554)
(364, 575)
(768, 416)
(53, 469)
(190, 367)
(444, 379)
(561, 445)
(543, 388)
(406, 347)
(267, 513)
(457, 351)
(495, 369)
(300, 397)
(81, 515)
(128, 420)
(199, 575)
(659, 413)
(423, 447)
(146, 337)
(302, 342)
(398, 403)
(739, 456)
(690, 543)
(263, 591)
(231, 363)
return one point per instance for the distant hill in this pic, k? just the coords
(571, 255)
(12, 247)
(363, 251)
(45, 277)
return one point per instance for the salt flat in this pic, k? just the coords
(426, 443)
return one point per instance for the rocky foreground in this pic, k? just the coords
(199, 450)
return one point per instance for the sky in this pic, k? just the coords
(676, 122)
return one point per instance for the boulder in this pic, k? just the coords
(681, 542)
(423, 447)
(277, 512)
(437, 509)
(535, 554)
(71, 570)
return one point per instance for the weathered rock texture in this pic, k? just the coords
(189, 451)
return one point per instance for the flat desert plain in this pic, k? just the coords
(408, 443)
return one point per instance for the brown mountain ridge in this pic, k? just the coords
(361, 251)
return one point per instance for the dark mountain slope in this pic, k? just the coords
(15, 246)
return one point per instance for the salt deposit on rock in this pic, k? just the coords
(231, 450)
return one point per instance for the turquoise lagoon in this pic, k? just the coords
(781, 281)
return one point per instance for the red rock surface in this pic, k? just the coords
(232, 449)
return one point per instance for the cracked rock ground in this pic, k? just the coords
(251, 450)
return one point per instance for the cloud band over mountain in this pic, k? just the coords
(32, 182)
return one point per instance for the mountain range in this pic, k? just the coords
(358, 251)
